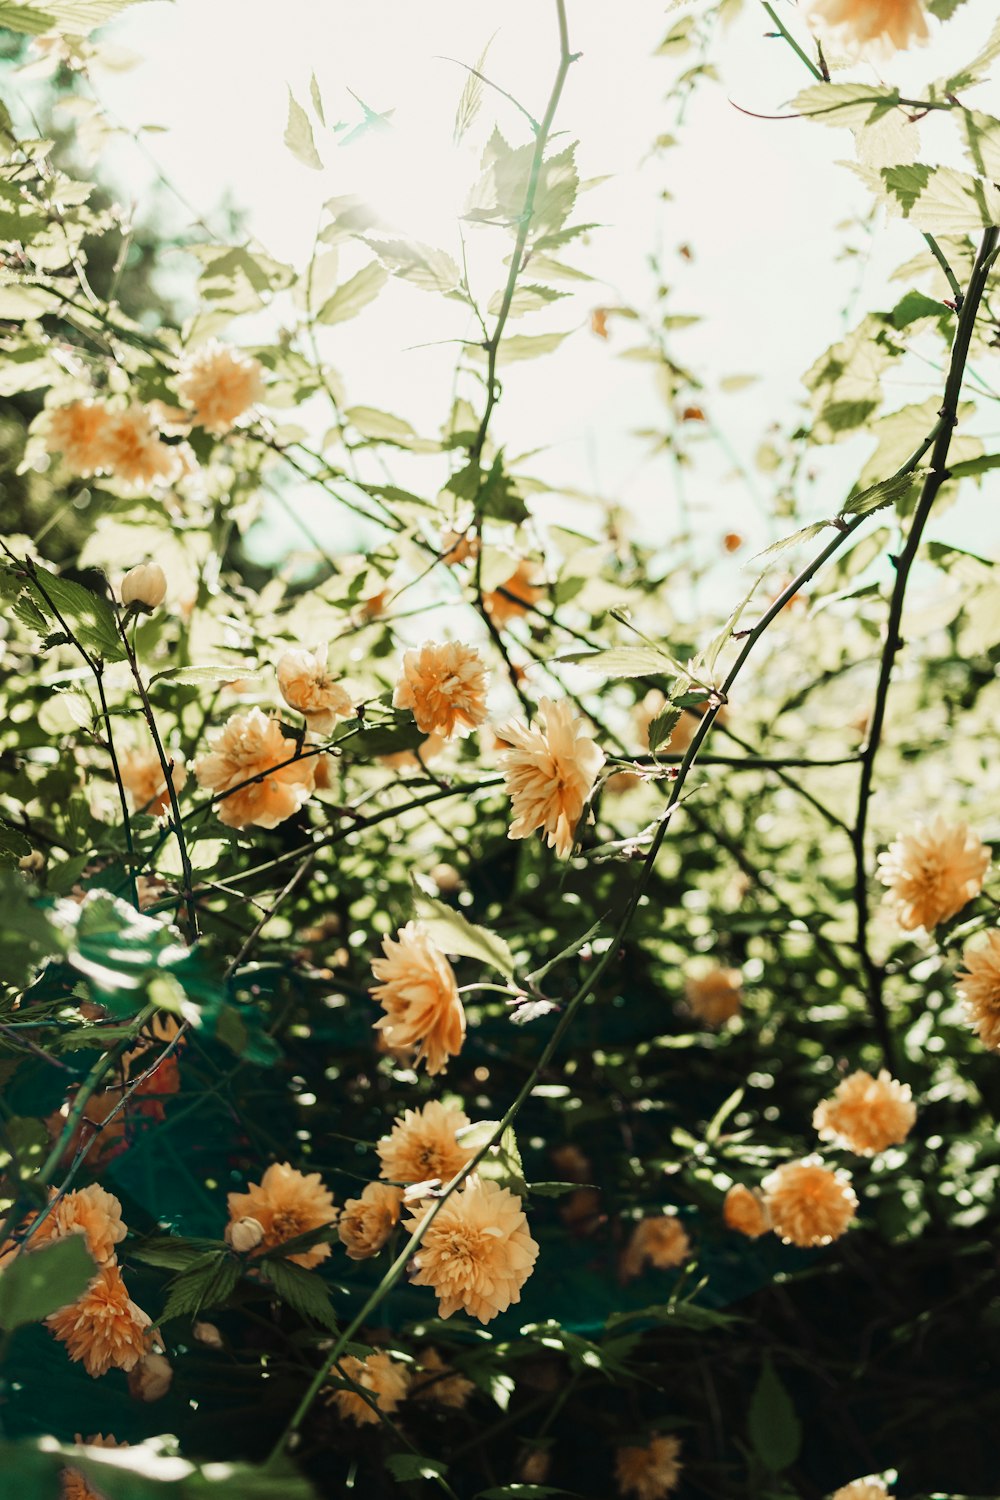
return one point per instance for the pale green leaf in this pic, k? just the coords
(348, 300)
(299, 135)
(454, 933)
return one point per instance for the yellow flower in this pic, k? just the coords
(515, 596)
(437, 1382)
(74, 1485)
(104, 1329)
(383, 1377)
(134, 453)
(306, 686)
(888, 24)
(861, 1489)
(746, 1212)
(477, 1254)
(151, 1378)
(549, 774)
(89, 1211)
(932, 872)
(286, 1203)
(809, 1203)
(715, 997)
(78, 431)
(661, 1241)
(220, 384)
(366, 1223)
(252, 749)
(649, 1473)
(422, 1145)
(866, 1115)
(444, 684)
(978, 987)
(143, 779)
(418, 992)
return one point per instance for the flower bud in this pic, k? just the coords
(145, 586)
(33, 863)
(150, 1379)
(207, 1334)
(245, 1235)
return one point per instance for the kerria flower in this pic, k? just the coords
(978, 987)
(78, 432)
(459, 546)
(515, 596)
(89, 1211)
(861, 1489)
(414, 760)
(809, 1203)
(220, 385)
(886, 24)
(384, 1378)
(477, 1253)
(151, 1378)
(422, 1144)
(866, 1115)
(436, 1381)
(549, 774)
(134, 453)
(103, 1329)
(649, 1473)
(251, 749)
(306, 685)
(418, 992)
(444, 685)
(660, 1241)
(286, 1203)
(366, 1223)
(715, 997)
(932, 872)
(144, 781)
(74, 1485)
(745, 1211)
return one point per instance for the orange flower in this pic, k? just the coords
(715, 997)
(866, 1115)
(477, 1254)
(420, 997)
(932, 872)
(79, 431)
(143, 779)
(366, 1223)
(661, 1241)
(746, 1212)
(886, 23)
(515, 596)
(252, 745)
(649, 1473)
(437, 1382)
(286, 1203)
(104, 1329)
(421, 1145)
(306, 686)
(549, 774)
(978, 987)
(459, 546)
(134, 453)
(383, 1377)
(445, 686)
(74, 1485)
(220, 384)
(89, 1211)
(809, 1204)
(861, 1489)
(414, 760)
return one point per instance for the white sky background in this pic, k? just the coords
(758, 201)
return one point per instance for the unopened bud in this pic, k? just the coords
(145, 585)
(33, 863)
(245, 1235)
(207, 1334)
(447, 879)
(150, 1379)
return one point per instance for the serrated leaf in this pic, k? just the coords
(529, 346)
(207, 672)
(299, 135)
(454, 933)
(40, 1282)
(622, 661)
(302, 1289)
(317, 98)
(662, 726)
(431, 270)
(846, 104)
(173, 1253)
(939, 199)
(472, 96)
(774, 1430)
(54, 599)
(355, 294)
(804, 534)
(207, 1283)
(886, 492)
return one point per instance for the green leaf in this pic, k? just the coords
(886, 492)
(194, 676)
(774, 1430)
(982, 141)
(454, 933)
(529, 346)
(299, 135)
(32, 1470)
(555, 1189)
(431, 270)
(208, 1282)
(302, 1289)
(622, 661)
(173, 1253)
(804, 534)
(406, 1467)
(348, 300)
(25, 19)
(40, 1282)
(846, 104)
(662, 726)
(56, 603)
(939, 199)
(916, 305)
(13, 844)
(472, 96)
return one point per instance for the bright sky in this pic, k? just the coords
(758, 201)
